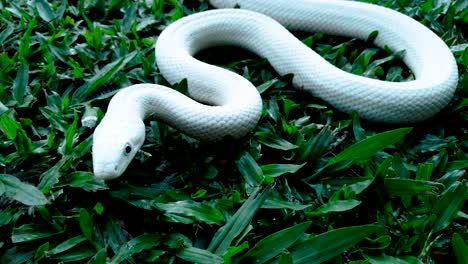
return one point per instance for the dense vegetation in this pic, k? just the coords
(310, 184)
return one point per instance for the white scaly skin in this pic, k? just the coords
(234, 105)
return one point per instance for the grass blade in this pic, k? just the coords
(29, 232)
(86, 224)
(197, 255)
(400, 187)
(101, 77)
(249, 168)
(335, 206)
(330, 244)
(274, 141)
(448, 206)
(274, 244)
(363, 150)
(21, 82)
(66, 245)
(285, 258)
(44, 10)
(22, 192)
(136, 245)
(237, 223)
(312, 149)
(369, 146)
(276, 170)
(460, 248)
(191, 209)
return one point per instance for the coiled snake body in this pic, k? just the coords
(223, 103)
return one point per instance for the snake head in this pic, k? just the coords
(115, 143)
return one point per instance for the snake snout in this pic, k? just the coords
(106, 172)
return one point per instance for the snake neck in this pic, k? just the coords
(138, 102)
(224, 115)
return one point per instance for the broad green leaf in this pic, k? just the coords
(272, 203)
(399, 187)
(273, 141)
(369, 146)
(99, 258)
(17, 255)
(363, 150)
(274, 244)
(22, 192)
(460, 248)
(399, 167)
(353, 184)
(266, 85)
(21, 82)
(101, 77)
(250, 170)
(66, 245)
(178, 13)
(6, 33)
(232, 251)
(75, 254)
(449, 205)
(465, 57)
(196, 255)
(70, 134)
(41, 251)
(360, 186)
(285, 258)
(237, 223)
(99, 208)
(136, 245)
(315, 146)
(451, 178)
(330, 244)
(84, 180)
(3, 109)
(384, 167)
(29, 232)
(374, 66)
(456, 165)
(9, 126)
(5, 217)
(24, 49)
(189, 208)
(114, 233)
(86, 224)
(276, 170)
(97, 38)
(385, 259)
(411, 259)
(51, 177)
(2, 188)
(424, 171)
(335, 206)
(44, 10)
(129, 19)
(154, 255)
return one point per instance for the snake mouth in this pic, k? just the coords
(106, 171)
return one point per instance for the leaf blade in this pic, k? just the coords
(330, 244)
(22, 192)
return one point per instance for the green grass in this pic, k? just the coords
(309, 184)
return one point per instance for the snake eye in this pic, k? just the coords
(128, 148)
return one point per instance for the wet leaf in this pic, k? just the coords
(22, 192)
(274, 244)
(330, 244)
(335, 206)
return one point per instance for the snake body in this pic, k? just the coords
(222, 103)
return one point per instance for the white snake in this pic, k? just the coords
(230, 105)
